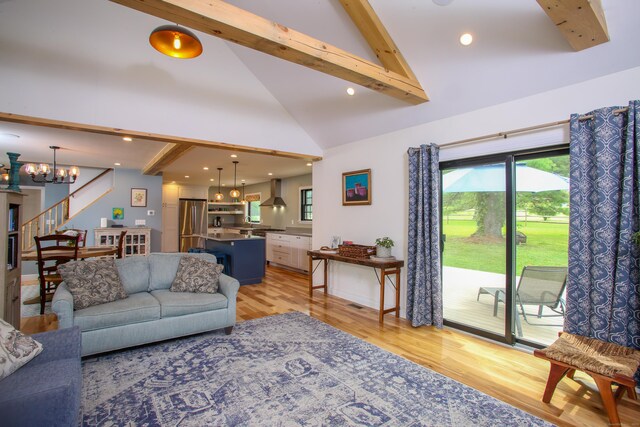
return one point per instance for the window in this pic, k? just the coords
(306, 204)
(253, 207)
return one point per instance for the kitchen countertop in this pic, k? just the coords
(230, 237)
(291, 233)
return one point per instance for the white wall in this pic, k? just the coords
(387, 158)
(119, 81)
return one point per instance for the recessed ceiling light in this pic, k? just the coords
(466, 39)
(234, 156)
(127, 138)
(351, 91)
(242, 180)
(205, 168)
(309, 164)
(116, 164)
(443, 2)
(211, 179)
(186, 176)
(269, 174)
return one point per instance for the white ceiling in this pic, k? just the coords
(237, 95)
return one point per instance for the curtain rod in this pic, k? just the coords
(522, 130)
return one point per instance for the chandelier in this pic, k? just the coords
(40, 172)
(235, 193)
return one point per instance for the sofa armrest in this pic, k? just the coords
(57, 345)
(62, 306)
(228, 286)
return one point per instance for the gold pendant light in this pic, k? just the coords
(243, 201)
(235, 193)
(219, 196)
(175, 41)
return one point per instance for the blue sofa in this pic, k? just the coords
(47, 390)
(151, 312)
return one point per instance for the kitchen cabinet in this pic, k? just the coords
(170, 233)
(10, 253)
(193, 192)
(288, 250)
(137, 241)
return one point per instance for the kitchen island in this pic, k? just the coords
(246, 255)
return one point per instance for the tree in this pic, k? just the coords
(490, 214)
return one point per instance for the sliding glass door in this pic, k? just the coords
(505, 231)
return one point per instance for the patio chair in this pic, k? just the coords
(540, 286)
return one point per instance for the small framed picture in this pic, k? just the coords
(356, 187)
(117, 213)
(139, 197)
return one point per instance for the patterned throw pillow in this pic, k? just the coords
(92, 282)
(196, 275)
(16, 349)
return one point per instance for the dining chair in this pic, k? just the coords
(82, 241)
(120, 253)
(52, 251)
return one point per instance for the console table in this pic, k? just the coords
(387, 268)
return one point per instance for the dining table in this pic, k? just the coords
(83, 252)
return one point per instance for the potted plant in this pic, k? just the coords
(635, 237)
(383, 247)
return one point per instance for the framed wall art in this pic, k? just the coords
(117, 213)
(356, 187)
(139, 197)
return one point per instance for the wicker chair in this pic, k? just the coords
(607, 363)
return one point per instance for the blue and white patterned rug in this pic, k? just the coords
(282, 370)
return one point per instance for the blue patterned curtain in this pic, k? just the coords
(602, 286)
(424, 290)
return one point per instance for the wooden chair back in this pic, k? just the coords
(121, 244)
(52, 251)
(82, 234)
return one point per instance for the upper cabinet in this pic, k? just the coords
(193, 192)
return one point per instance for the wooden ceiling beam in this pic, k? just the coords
(581, 22)
(377, 36)
(137, 135)
(220, 19)
(169, 154)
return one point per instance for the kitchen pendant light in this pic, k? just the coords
(175, 41)
(235, 193)
(243, 201)
(219, 196)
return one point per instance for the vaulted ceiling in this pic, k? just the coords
(88, 61)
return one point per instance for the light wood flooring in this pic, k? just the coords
(511, 375)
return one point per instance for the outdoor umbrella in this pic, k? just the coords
(487, 178)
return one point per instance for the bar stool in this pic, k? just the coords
(223, 259)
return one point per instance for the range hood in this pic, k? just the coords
(274, 199)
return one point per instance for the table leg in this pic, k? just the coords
(382, 282)
(397, 292)
(324, 280)
(326, 273)
(310, 276)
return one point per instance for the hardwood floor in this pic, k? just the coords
(511, 375)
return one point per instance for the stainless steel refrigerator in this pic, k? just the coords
(193, 224)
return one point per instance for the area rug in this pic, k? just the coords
(281, 370)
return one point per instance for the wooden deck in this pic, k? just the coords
(462, 305)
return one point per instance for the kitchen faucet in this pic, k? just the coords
(247, 219)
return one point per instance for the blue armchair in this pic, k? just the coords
(47, 390)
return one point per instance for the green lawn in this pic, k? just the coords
(546, 245)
